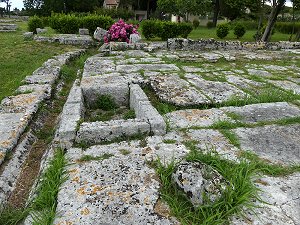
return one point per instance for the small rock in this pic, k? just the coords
(40, 30)
(202, 184)
(99, 34)
(28, 35)
(83, 31)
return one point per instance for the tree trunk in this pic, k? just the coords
(277, 7)
(260, 22)
(148, 9)
(216, 13)
(293, 31)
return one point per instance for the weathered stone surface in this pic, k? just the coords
(274, 143)
(264, 112)
(99, 34)
(213, 141)
(137, 95)
(40, 30)
(260, 73)
(109, 84)
(193, 69)
(12, 126)
(28, 35)
(148, 112)
(97, 66)
(137, 54)
(119, 190)
(147, 67)
(171, 88)
(44, 89)
(83, 31)
(202, 184)
(195, 117)
(217, 91)
(67, 39)
(12, 170)
(98, 132)
(8, 27)
(26, 103)
(282, 196)
(243, 82)
(287, 85)
(44, 75)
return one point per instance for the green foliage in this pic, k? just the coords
(210, 24)
(69, 24)
(91, 22)
(184, 29)
(88, 158)
(9, 216)
(129, 115)
(196, 23)
(118, 13)
(222, 30)
(35, 22)
(248, 24)
(150, 28)
(287, 27)
(239, 30)
(233, 200)
(106, 102)
(165, 29)
(65, 24)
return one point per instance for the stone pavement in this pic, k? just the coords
(117, 185)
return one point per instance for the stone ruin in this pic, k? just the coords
(123, 188)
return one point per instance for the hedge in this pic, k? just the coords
(35, 22)
(70, 24)
(287, 27)
(165, 29)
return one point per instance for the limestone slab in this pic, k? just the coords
(260, 73)
(213, 141)
(264, 112)
(12, 126)
(119, 190)
(171, 88)
(218, 91)
(95, 66)
(147, 67)
(283, 204)
(195, 117)
(286, 85)
(97, 132)
(243, 82)
(274, 143)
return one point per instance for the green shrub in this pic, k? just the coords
(248, 24)
(239, 30)
(287, 27)
(91, 22)
(222, 30)
(150, 28)
(69, 24)
(118, 13)
(165, 29)
(45, 20)
(106, 102)
(184, 29)
(35, 22)
(168, 30)
(196, 23)
(210, 24)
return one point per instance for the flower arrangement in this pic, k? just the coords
(120, 32)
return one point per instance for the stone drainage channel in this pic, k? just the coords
(116, 185)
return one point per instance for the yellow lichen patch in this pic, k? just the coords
(97, 189)
(260, 181)
(5, 143)
(2, 155)
(81, 191)
(65, 223)
(85, 212)
(162, 209)
(73, 171)
(75, 179)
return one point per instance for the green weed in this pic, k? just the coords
(88, 158)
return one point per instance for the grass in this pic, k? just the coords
(169, 141)
(88, 158)
(20, 58)
(205, 33)
(233, 200)
(43, 207)
(238, 197)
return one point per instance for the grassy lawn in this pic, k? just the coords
(205, 33)
(20, 58)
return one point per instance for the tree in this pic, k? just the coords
(216, 9)
(184, 7)
(7, 2)
(277, 6)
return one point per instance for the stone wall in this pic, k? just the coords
(212, 44)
